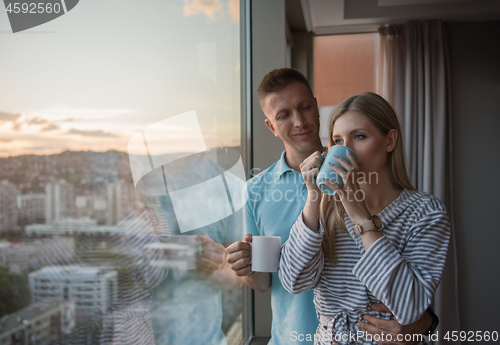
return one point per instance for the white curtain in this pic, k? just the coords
(413, 75)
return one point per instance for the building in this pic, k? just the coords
(8, 206)
(66, 226)
(130, 226)
(60, 201)
(31, 209)
(93, 206)
(132, 199)
(114, 195)
(41, 323)
(93, 289)
(24, 257)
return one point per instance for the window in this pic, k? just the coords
(105, 73)
(344, 65)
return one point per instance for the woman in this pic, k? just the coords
(338, 247)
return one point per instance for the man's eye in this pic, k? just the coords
(306, 107)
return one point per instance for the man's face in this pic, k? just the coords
(292, 115)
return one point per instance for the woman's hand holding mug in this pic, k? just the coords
(309, 169)
(350, 193)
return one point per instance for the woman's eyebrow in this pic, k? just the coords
(352, 131)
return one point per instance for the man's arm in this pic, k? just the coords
(394, 328)
(213, 263)
(226, 279)
(240, 253)
(239, 258)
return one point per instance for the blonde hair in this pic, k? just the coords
(381, 114)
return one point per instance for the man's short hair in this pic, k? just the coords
(278, 79)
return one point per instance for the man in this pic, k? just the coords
(276, 198)
(187, 306)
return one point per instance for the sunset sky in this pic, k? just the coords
(91, 79)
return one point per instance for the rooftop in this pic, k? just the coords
(23, 316)
(74, 271)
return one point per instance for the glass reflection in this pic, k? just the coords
(88, 256)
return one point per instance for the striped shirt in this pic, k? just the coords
(402, 269)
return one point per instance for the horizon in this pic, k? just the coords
(108, 150)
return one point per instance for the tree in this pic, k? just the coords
(15, 293)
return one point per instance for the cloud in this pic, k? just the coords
(16, 126)
(210, 8)
(61, 113)
(36, 121)
(50, 127)
(234, 10)
(5, 140)
(91, 133)
(8, 117)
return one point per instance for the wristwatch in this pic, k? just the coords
(434, 324)
(374, 224)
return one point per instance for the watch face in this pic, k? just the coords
(377, 222)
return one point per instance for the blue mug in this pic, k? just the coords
(327, 173)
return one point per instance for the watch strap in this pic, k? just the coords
(366, 226)
(434, 324)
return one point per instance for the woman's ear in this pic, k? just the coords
(392, 139)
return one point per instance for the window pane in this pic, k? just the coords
(120, 174)
(344, 65)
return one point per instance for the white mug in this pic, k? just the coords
(266, 252)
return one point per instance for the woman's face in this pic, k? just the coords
(358, 133)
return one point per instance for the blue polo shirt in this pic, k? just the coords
(275, 199)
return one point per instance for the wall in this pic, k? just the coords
(475, 84)
(302, 54)
(268, 53)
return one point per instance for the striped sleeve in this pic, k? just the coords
(406, 282)
(301, 259)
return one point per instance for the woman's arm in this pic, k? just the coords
(302, 259)
(406, 282)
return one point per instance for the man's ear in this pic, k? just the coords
(271, 127)
(392, 139)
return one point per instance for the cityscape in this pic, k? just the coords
(74, 237)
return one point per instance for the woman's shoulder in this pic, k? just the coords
(424, 203)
